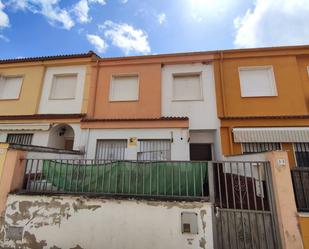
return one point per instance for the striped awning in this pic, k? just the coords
(24, 127)
(271, 135)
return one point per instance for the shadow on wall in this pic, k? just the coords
(61, 137)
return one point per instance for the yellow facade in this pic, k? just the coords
(33, 77)
(27, 103)
(3, 149)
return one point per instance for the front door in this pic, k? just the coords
(200, 152)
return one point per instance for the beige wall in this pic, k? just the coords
(28, 101)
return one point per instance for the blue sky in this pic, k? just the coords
(134, 27)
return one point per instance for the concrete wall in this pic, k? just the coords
(202, 113)
(179, 146)
(74, 222)
(69, 106)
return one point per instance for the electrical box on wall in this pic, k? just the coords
(189, 222)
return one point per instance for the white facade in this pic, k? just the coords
(46, 137)
(74, 222)
(65, 103)
(201, 111)
(188, 90)
(178, 137)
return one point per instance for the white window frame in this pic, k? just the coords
(52, 87)
(21, 85)
(272, 78)
(199, 73)
(111, 84)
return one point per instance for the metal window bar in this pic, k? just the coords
(302, 154)
(300, 178)
(248, 148)
(24, 139)
(173, 179)
(154, 150)
(111, 149)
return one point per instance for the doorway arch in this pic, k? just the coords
(61, 136)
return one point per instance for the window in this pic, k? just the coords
(63, 86)
(25, 139)
(10, 87)
(249, 148)
(124, 88)
(257, 81)
(154, 150)
(302, 154)
(111, 149)
(187, 87)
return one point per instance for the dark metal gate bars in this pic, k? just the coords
(245, 212)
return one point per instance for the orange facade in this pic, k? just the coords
(289, 108)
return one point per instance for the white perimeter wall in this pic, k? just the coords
(179, 146)
(203, 113)
(70, 106)
(72, 222)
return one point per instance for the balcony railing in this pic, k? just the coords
(300, 177)
(123, 178)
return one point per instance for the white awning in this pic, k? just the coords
(271, 135)
(24, 127)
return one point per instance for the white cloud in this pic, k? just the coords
(126, 37)
(4, 38)
(4, 19)
(103, 2)
(97, 42)
(273, 22)
(124, 1)
(50, 9)
(161, 18)
(81, 10)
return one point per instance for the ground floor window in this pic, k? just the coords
(154, 150)
(111, 149)
(24, 139)
(249, 148)
(302, 154)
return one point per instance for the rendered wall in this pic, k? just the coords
(73, 222)
(30, 91)
(41, 138)
(179, 146)
(202, 113)
(69, 106)
(149, 102)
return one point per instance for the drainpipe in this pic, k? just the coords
(93, 101)
(222, 84)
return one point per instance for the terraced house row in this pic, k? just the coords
(229, 105)
(197, 106)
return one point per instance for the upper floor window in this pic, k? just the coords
(257, 81)
(10, 87)
(124, 88)
(63, 86)
(187, 86)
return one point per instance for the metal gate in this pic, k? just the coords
(245, 212)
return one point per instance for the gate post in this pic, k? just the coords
(284, 199)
